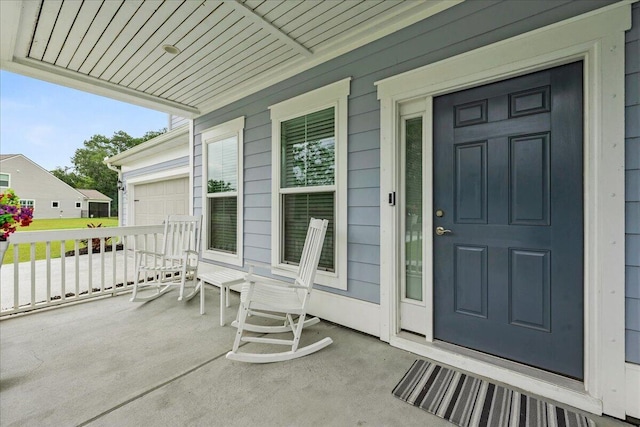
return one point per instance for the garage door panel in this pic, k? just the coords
(155, 200)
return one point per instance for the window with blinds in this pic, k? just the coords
(308, 182)
(223, 224)
(298, 209)
(309, 179)
(222, 195)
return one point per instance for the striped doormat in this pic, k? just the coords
(472, 402)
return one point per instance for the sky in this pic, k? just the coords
(47, 122)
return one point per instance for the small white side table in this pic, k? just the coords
(223, 279)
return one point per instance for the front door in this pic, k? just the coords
(508, 219)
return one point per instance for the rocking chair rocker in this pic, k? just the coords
(175, 264)
(282, 301)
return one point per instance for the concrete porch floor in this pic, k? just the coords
(115, 363)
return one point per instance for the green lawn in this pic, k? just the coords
(54, 224)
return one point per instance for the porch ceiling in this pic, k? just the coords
(226, 48)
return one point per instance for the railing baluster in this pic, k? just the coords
(125, 251)
(63, 269)
(76, 250)
(90, 267)
(114, 251)
(48, 258)
(16, 277)
(32, 255)
(102, 266)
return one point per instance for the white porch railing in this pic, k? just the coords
(32, 285)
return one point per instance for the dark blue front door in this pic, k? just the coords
(508, 277)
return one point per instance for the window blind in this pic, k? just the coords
(298, 209)
(222, 165)
(308, 150)
(223, 222)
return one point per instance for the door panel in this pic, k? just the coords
(529, 180)
(508, 279)
(471, 280)
(471, 183)
(529, 289)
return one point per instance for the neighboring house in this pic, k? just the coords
(469, 155)
(47, 195)
(154, 178)
(96, 204)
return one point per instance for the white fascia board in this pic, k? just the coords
(56, 75)
(9, 25)
(14, 45)
(175, 138)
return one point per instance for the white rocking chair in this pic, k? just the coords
(176, 263)
(268, 298)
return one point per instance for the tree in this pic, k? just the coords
(89, 168)
(71, 178)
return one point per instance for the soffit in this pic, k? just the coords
(227, 48)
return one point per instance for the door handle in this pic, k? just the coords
(442, 231)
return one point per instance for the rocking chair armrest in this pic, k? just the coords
(251, 278)
(263, 265)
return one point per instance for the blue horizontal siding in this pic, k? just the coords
(632, 214)
(632, 153)
(632, 349)
(364, 216)
(363, 141)
(632, 277)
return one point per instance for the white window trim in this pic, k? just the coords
(8, 180)
(33, 205)
(598, 39)
(333, 95)
(55, 207)
(225, 130)
(78, 203)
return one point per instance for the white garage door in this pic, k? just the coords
(154, 201)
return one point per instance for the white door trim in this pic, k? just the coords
(597, 38)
